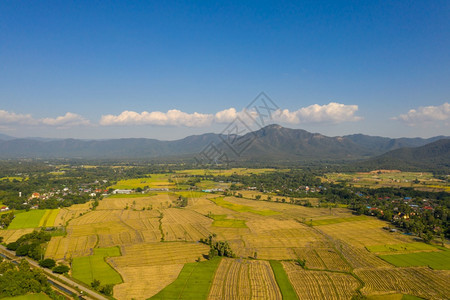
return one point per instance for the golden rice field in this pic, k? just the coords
(244, 279)
(422, 282)
(156, 240)
(320, 284)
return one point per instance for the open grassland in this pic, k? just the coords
(439, 260)
(193, 282)
(421, 282)
(241, 208)
(159, 262)
(49, 218)
(29, 219)
(287, 291)
(224, 221)
(91, 267)
(320, 284)
(244, 279)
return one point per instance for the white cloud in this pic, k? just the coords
(172, 117)
(10, 118)
(68, 120)
(329, 113)
(426, 115)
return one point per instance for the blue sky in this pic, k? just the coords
(168, 69)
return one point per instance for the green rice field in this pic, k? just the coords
(193, 282)
(88, 268)
(439, 260)
(29, 219)
(222, 221)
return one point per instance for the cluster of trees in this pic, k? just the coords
(217, 248)
(22, 279)
(30, 244)
(182, 201)
(106, 289)
(6, 219)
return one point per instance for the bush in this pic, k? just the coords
(47, 263)
(61, 269)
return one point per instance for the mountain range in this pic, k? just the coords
(271, 143)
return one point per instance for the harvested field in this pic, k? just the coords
(184, 225)
(322, 259)
(274, 239)
(244, 279)
(48, 220)
(151, 254)
(156, 260)
(421, 282)
(65, 248)
(11, 235)
(359, 257)
(142, 282)
(362, 233)
(68, 213)
(137, 203)
(320, 284)
(193, 282)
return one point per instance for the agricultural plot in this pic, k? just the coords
(401, 248)
(241, 208)
(157, 201)
(184, 225)
(12, 235)
(224, 221)
(65, 248)
(328, 221)
(193, 282)
(421, 282)
(359, 257)
(88, 268)
(275, 239)
(363, 233)
(153, 181)
(49, 218)
(320, 284)
(29, 219)
(244, 279)
(287, 291)
(322, 258)
(68, 213)
(161, 262)
(438, 260)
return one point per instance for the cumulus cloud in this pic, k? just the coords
(426, 115)
(329, 113)
(9, 118)
(68, 120)
(172, 117)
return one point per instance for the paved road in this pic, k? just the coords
(59, 279)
